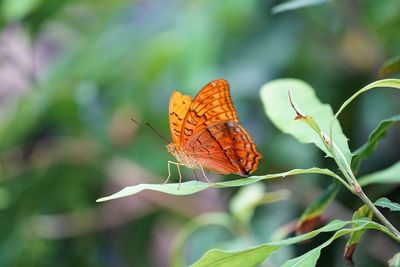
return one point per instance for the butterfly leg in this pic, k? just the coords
(204, 174)
(180, 175)
(195, 174)
(179, 171)
(169, 171)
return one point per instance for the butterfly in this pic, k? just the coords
(206, 133)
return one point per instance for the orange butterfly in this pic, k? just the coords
(206, 133)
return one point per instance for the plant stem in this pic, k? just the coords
(357, 190)
(377, 213)
(343, 164)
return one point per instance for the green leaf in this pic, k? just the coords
(312, 215)
(387, 176)
(274, 96)
(296, 4)
(355, 237)
(387, 203)
(391, 66)
(255, 255)
(249, 257)
(369, 147)
(310, 258)
(395, 261)
(192, 187)
(393, 83)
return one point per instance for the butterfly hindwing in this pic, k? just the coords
(225, 148)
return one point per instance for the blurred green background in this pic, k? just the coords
(73, 73)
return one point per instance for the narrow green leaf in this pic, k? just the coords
(387, 176)
(255, 255)
(249, 257)
(390, 67)
(310, 258)
(296, 4)
(355, 237)
(274, 96)
(387, 203)
(192, 187)
(395, 261)
(393, 83)
(217, 257)
(312, 215)
(369, 147)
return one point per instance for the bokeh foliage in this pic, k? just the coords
(72, 73)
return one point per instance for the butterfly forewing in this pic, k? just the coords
(211, 105)
(178, 108)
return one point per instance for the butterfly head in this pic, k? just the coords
(171, 149)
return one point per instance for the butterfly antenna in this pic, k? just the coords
(151, 127)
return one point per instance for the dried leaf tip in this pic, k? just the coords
(348, 254)
(299, 116)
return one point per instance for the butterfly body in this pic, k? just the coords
(206, 132)
(182, 157)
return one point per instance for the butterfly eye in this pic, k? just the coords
(240, 160)
(234, 138)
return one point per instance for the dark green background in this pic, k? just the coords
(72, 74)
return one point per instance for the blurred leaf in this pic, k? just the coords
(17, 9)
(207, 219)
(395, 261)
(243, 203)
(354, 239)
(311, 217)
(387, 176)
(274, 96)
(255, 255)
(392, 66)
(369, 147)
(387, 203)
(4, 198)
(192, 187)
(296, 4)
(249, 197)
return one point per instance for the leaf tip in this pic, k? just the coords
(348, 254)
(101, 199)
(298, 116)
(309, 224)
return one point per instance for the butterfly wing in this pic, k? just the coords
(178, 108)
(211, 133)
(225, 148)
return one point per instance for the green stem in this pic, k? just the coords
(377, 213)
(352, 183)
(357, 190)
